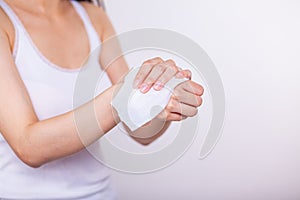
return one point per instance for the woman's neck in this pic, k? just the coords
(45, 7)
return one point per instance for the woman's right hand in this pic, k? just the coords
(185, 100)
(156, 72)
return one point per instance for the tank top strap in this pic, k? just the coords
(18, 26)
(93, 35)
(10, 13)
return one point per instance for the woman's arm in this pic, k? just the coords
(117, 69)
(38, 142)
(152, 71)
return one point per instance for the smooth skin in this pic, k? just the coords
(54, 26)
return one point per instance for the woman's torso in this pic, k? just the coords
(51, 88)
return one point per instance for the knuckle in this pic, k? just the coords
(147, 62)
(188, 72)
(176, 95)
(170, 62)
(159, 67)
(158, 59)
(144, 69)
(172, 66)
(169, 108)
(146, 66)
(174, 69)
(172, 105)
(153, 60)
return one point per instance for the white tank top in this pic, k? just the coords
(51, 88)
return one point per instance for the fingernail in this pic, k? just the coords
(144, 87)
(136, 84)
(158, 86)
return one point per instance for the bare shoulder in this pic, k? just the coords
(6, 27)
(92, 9)
(99, 19)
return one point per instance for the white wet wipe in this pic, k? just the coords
(135, 108)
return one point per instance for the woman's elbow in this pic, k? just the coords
(30, 158)
(32, 164)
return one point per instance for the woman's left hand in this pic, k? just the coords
(184, 102)
(156, 73)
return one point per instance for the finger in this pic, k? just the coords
(184, 74)
(192, 87)
(152, 77)
(184, 109)
(144, 70)
(168, 116)
(176, 117)
(169, 73)
(172, 112)
(187, 74)
(188, 98)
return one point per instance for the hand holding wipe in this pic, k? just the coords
(135, 108)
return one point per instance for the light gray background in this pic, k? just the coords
(255, 46)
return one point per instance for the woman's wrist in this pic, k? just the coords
(107, 116)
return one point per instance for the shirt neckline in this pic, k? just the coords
(40, 54)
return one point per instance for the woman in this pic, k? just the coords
(42, 46)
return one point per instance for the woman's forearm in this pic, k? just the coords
(149, 132)
(69, 133)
